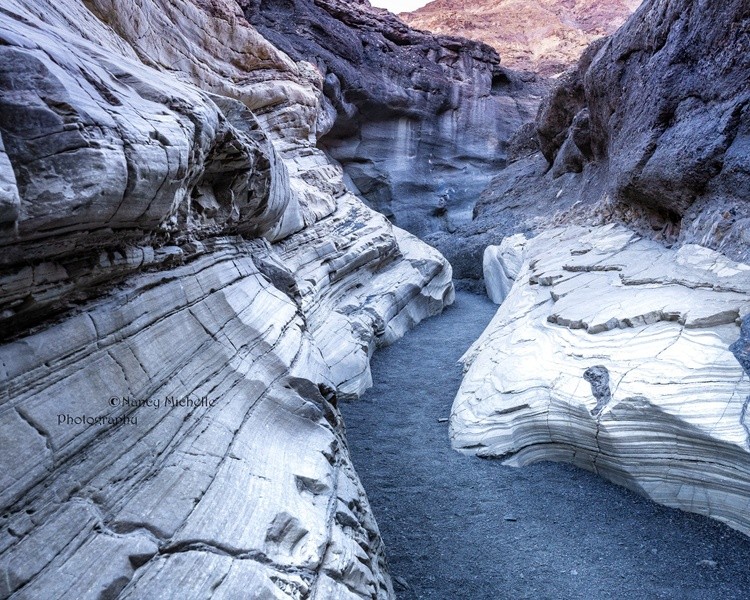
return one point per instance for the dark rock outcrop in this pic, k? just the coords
(651, 129)
(420, 123)
(670, 115)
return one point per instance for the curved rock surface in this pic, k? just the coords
(419, 122)
(613, 353)
(187, 289)
(501, 265)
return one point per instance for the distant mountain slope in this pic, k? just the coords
(546, 36)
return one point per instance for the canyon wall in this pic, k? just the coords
(187, 290)
(420, 123)
(650, 129)
(624, 350)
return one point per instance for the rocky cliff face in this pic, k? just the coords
(618, 351)
(650, 129)
(187, 289)
(419, 123)
(544, 36)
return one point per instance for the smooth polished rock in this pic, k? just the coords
(501, 265)
(210, 400)
(185, 415)
(613, 353)
(420, 122)
(179, 127)
(187, 289)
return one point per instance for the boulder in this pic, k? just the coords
(612, 353)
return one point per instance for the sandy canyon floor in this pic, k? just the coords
(459, 527)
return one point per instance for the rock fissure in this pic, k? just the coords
(36, 427)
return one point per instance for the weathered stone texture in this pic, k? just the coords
(170, 230)
(650, 130)
(612, 353)
(419, 122)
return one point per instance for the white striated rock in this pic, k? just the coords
(186, 289)
(261, 475)
(253, 471)
(362, 283)
(501, 265)
(612, 353)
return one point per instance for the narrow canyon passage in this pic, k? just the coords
(458, 527)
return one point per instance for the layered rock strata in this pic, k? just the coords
(419, 122)
(613, 353)
(187, 289)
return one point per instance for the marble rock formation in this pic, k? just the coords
(612, 353)
(651, 129)
(187, 289)
(501, 265)
(419, 122)
(544, 36)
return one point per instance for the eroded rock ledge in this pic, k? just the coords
(613, 353)
(187, 289)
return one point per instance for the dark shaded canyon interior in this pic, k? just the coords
(419, 122)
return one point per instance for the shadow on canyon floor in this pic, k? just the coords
(458, 527)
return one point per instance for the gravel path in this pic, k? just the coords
(462, 528)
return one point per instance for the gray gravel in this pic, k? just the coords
(459, 527)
